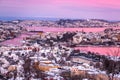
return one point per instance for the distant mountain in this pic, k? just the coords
(26, 18)
(88, 23)
(55, 22)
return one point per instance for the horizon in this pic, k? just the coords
(76, 9)
(48, 18)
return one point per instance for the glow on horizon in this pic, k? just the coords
(103, 9)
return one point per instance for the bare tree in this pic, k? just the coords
(112, 63)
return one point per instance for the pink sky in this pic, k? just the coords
(106, 9)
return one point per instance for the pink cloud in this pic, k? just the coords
(61, 8)
(90, 3)
(57, 3)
